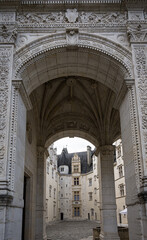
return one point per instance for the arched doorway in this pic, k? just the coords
(79, 92)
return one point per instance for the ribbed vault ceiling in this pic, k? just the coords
(76, 104)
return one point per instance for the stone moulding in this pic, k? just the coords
(5, 199)
(57, 42)
(52, 2)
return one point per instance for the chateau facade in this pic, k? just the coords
(77, 185)
(71, 68)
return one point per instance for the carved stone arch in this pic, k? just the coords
(57, 43)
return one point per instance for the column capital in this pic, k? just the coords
(18, 84)
(41, 149)
(106, 149)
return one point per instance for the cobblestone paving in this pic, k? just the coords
(71, 230)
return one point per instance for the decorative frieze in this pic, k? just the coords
(62, 18)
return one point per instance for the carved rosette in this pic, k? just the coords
(140, 56)
(5, 71)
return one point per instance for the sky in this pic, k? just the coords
(73, 145)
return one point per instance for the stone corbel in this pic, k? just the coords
(20, 86)
(72, 37)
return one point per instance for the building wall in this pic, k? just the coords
(65, 196)
(30, 172)
(52, 186)
(120, 189)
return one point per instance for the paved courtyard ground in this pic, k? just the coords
(71, 230)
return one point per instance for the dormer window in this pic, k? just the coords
(76, 168)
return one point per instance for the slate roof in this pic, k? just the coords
(65, 159)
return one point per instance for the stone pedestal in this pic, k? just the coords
(122, 232)
(107, 194)
(41, 194)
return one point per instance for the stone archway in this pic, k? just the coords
(85, 58)
(88, 62)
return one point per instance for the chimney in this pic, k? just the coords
(89, 155)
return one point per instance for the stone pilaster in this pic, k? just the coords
(136, 141)
(41, 195)
(109, 229)
(133, 161)
(6, 60)
(137, 36)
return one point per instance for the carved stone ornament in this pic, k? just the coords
(71, 15)
(130, 83)
(7, 34)
(105, 150)
(135, 15)
(137, 33)
(5, 58)
(54, 19)
(141, 72)
(7, 17)
(72, 37)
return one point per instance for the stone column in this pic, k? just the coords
(41, 195)
(109, 229)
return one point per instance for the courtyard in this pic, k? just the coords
(71, 230)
